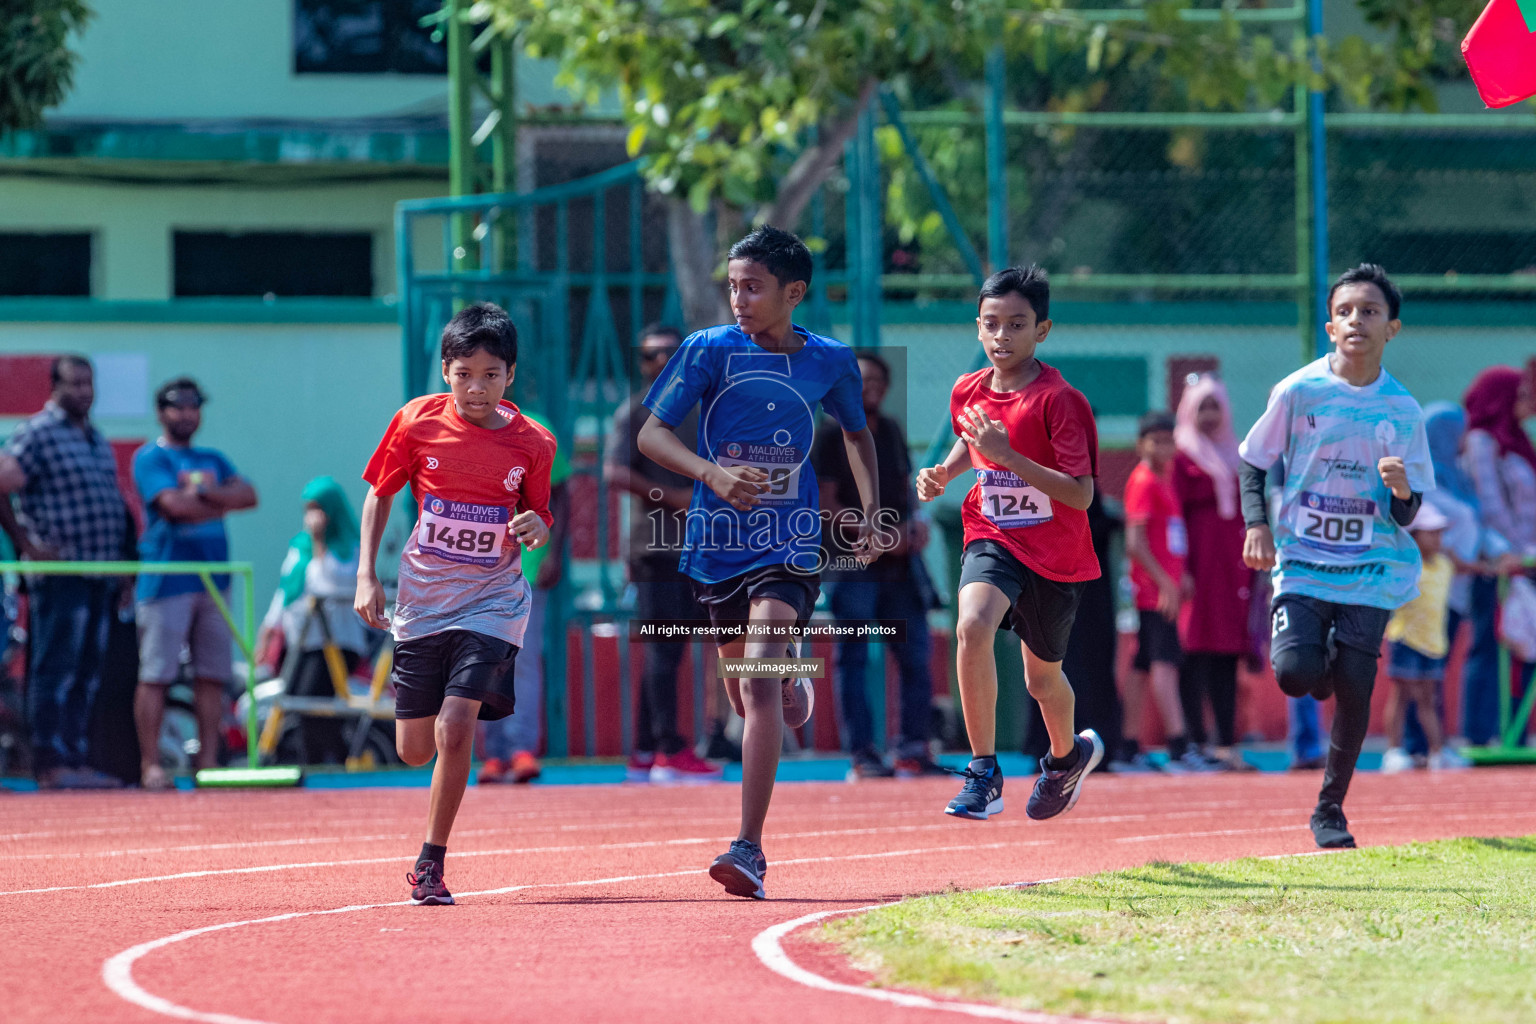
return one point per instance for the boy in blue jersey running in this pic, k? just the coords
(1356, 468)
(753, 533)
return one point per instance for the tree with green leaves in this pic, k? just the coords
(742, 108)
(37, 66)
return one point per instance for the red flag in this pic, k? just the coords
(1501, 52)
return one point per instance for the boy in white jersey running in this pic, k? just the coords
(1357, 466)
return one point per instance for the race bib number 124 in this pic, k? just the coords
(462, 532)
(1010, 502)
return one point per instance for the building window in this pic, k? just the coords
(366, 37)
(45, 264)
(281, 263)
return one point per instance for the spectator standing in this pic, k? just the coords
(894, 586)
(319, 584)
(71, 509)
(1156, 542)
(510, 745)
(1418, 644)
(1501, 463)
(187, 491)
(1473, 550)
(1214, 619)
(656, 529)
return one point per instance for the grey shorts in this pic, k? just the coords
(169, 624)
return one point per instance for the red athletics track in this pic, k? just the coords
(604, 912)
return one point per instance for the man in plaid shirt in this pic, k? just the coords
(71, 510)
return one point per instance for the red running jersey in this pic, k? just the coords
(1048, 421)
(1151, 503)
(458, 570)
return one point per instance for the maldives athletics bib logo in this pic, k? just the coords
(733, 450)
(436, 506)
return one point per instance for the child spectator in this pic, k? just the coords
(1156, 544)
(1418, 648)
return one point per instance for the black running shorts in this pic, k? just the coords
(456, 662)
(1042, 609)
(1297, 620)
(1157, 639)
(729, 602)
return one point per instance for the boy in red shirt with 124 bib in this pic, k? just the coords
(1032, 440)
(479, 470)
(1156, 544)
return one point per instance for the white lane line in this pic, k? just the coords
(768, 947)
(513, 851)
(117, 970)
(770, 952)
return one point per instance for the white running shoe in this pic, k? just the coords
(1395, 760)
(1447, 760)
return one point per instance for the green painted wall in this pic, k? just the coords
(132, 224)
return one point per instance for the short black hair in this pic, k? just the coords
(659, 330)
(482, 325)
(1153, 422)
(1370, 273)
(177, 384)
(780, 252)
(1032, 282)
(56, 369)
(873, 357)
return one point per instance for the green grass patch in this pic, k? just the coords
(1428, 932)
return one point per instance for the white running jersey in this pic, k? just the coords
(1334, 535)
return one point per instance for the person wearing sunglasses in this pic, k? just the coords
(187, 491)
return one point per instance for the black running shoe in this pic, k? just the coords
(427, 888)
(1330, 828)
(1057, 792)
(741, 869)
(980, 797)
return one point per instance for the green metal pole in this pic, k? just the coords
(997, 160)
(1306, 268)
(461, 146)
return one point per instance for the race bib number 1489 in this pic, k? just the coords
(462, 532)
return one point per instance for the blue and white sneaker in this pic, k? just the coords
(741, 869)
(1057, 792)
(982, 795)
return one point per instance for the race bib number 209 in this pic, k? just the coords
(462, 532)
(1341, 525)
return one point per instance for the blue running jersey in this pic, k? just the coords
(757, 408)
(1335, 538)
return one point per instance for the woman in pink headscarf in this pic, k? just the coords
(1499, 457)
(1214, 621)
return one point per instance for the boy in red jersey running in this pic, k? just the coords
(1032, 439)
(480, 473)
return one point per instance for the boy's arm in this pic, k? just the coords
(932, 480)
(1138, 550)
(860, 445)
(990, 437)
(1258, 542)
(738, 487)
(531, 526)
(369, 602)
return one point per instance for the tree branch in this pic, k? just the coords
(813, 166)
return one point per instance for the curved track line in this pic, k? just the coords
(770, 953)
(117, 970)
